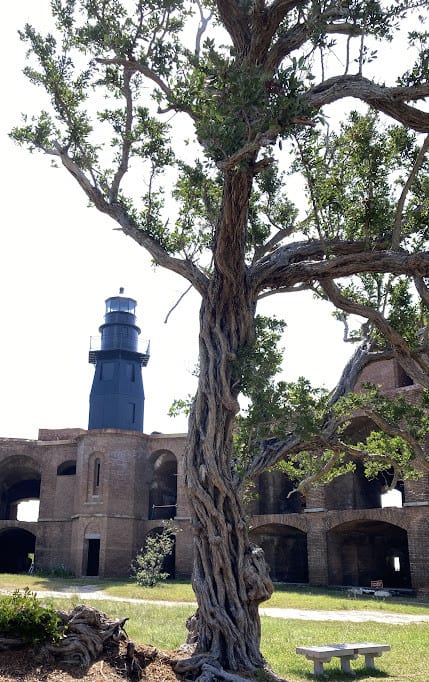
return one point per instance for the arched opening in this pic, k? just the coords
(28, 510)
(355, 491)
(67, 468)
(273, 494)
(163, 488)
(285, 550)
(17, 548)
(360, 552)
(19, 482)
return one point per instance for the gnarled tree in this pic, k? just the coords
(253, 79)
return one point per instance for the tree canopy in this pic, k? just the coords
(183, 122)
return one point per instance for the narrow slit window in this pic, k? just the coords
(97, 471)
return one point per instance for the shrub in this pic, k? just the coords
(148, 564)
(23, 616)
(55, 572)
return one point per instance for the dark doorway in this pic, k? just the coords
(163, 488)
(285, 550)
(93, 563)
(16, 550)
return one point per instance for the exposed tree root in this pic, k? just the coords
(204, 668)
(9, 643)
(86, 633)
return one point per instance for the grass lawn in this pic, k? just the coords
(285, 596)
(164, 626)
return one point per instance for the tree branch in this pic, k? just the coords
(309, 261)
(397, 228)
(202, 27)
(133, 65)
(265, 23)
(398, 343)
(388, 100)
(118, 213)
(272, 243)
(126, 144)
(396, 431)
(236, 22)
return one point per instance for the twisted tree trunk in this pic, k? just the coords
(230, 576)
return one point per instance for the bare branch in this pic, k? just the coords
(422, 290)
(306, 262)
(126, 138)
(273, 242)
(397, 228)
(202, 27)
(133, 65)
(118, 213)
(388, 100)
(261, 140)
(361, 358)
(179, 300)
(410, 363)
(286, 290)
(304, 485)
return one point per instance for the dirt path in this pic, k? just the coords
(350, 615)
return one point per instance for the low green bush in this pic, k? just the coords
(22, 616)
(150, 561)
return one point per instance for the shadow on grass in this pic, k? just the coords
(337, 675)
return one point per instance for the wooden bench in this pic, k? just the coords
(345, 652)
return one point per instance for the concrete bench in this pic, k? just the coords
(345, 652)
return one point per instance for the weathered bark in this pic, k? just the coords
(87, 632)
(230, 576)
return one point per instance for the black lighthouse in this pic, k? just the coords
(117, 394)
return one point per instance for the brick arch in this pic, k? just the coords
(20, 479)
(391, 516)
(163, 485)
(362, 550)
(67, 468)
(285, 549)
(16, 544)
(92, 528)
(299, 522)
(161, 453)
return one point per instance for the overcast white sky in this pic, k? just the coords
(61, 259)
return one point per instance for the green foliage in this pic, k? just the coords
(56, 572)
(351, 177)
(22, 616)
(148, 564)
(406, 427)
(276, 408)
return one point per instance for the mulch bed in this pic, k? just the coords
(26, 665)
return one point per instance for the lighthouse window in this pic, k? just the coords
(97, 469)
(132, 407)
